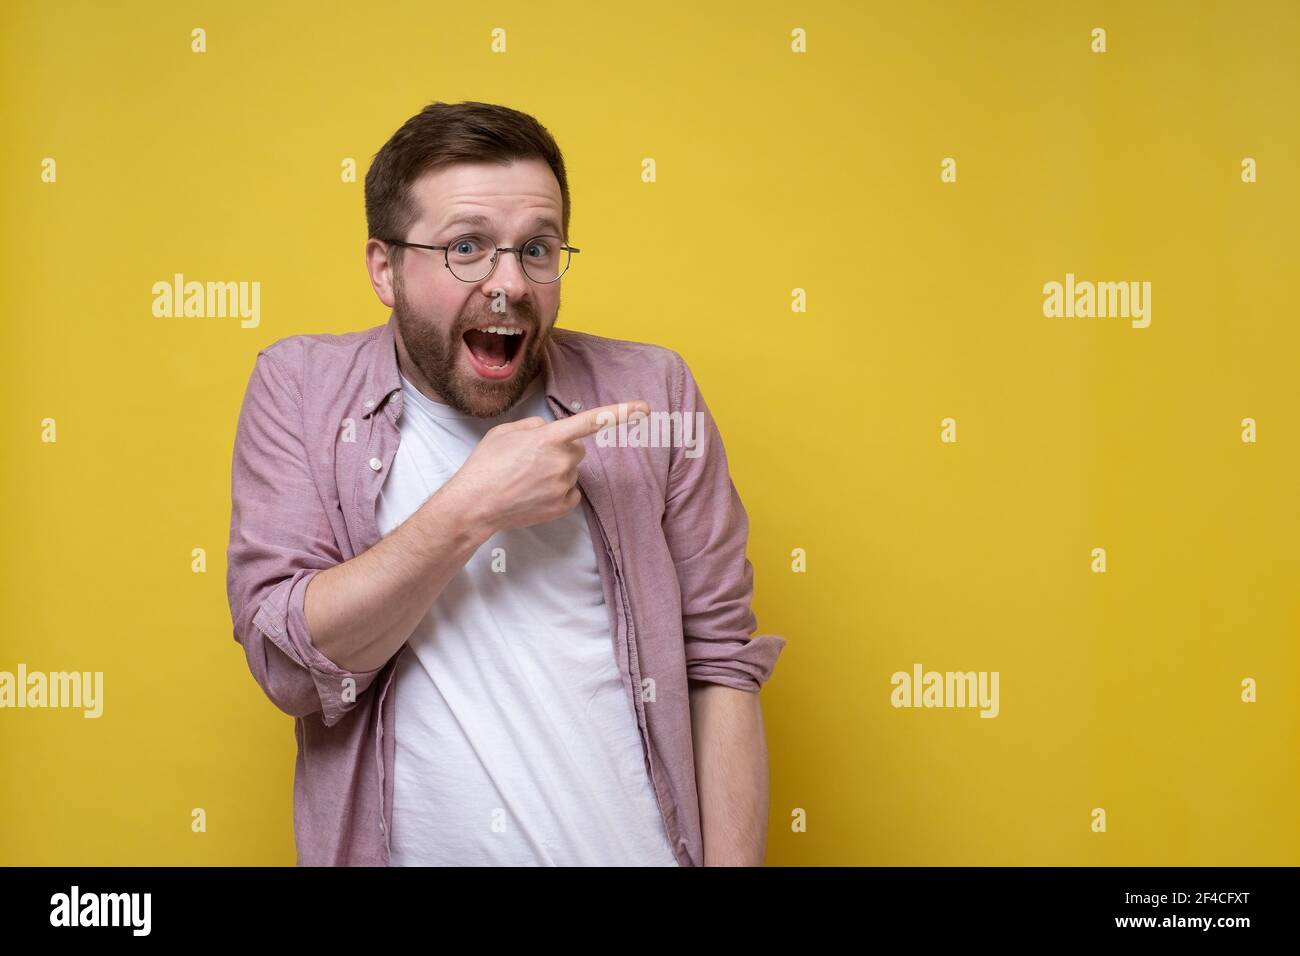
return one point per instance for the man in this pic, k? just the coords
(506, 639)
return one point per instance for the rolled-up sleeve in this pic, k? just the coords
(707, 531)
(280, 538)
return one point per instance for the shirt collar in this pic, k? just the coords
(383, 378)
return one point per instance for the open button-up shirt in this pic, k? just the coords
(317, 432)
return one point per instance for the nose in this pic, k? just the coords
(507, 278)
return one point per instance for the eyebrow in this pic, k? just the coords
(474, 219)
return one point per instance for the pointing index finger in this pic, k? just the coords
(594, 419)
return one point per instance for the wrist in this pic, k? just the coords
(470, 520)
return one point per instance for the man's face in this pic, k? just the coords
(438, 314)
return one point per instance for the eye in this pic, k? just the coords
(538, 248)
(465, 246)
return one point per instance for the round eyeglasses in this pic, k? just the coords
(473, 257)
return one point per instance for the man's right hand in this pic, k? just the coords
(526, 472)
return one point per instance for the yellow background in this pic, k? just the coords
(776, 171)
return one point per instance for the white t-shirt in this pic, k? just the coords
(516, 742)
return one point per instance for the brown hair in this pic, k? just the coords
(442, 134)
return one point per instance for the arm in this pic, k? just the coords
(320, 655)
(730, 774)
(281, 541)
(281, 538)
(707, 532)
(363, 610)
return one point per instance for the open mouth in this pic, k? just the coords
(494, 350)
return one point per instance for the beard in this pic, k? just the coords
(437, 356)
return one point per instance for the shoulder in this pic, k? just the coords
(324, 359)
(321, 349)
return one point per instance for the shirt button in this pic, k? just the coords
(376, 464)
(370, 403)
(575, 404)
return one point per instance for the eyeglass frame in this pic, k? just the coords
(517, 250)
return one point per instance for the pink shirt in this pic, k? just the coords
(316, 435)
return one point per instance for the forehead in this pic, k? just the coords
(509, 196)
